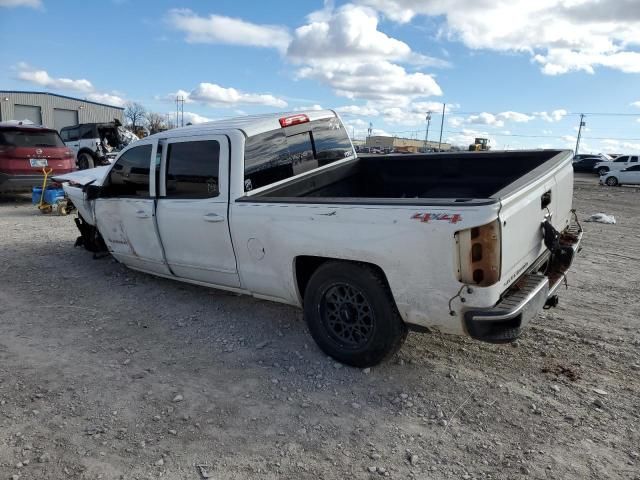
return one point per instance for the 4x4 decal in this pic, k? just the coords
(426, 217)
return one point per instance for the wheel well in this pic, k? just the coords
(86, 150)
(306, 265)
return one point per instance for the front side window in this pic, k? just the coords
(634, 159)
(621, 159)
(129, 176)
(192, 169)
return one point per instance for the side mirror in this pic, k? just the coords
(92, 191)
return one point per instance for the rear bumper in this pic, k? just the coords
(19, 183)
(525, 299)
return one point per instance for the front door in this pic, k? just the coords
(125, 210)
(192, 210)
(630, 175)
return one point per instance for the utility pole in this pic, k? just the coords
(180, 111)
(369, 130)
(426, 134)
(444, 105)
(582, 124)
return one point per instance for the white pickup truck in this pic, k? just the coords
(280, 207)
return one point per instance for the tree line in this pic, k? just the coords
(138, 117)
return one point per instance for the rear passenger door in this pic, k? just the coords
(192, 210)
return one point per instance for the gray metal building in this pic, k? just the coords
(53, 110)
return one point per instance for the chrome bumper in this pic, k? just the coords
(530, 293)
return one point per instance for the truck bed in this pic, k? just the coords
(473, 177)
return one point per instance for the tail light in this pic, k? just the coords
(479, 254)
(293, 120)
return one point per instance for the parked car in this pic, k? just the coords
(25, 150)
(586, 164)
(280, 207)
(628, 176)
(96, 144)
(620, 163)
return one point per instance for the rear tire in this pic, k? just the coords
(603, 171)
(612, 181)
(351, 314)
(85, 161)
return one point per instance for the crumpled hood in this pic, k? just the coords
(84, 177)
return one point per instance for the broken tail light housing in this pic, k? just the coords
(479, 254)
(293, 120)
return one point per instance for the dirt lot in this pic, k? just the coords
(108, 373)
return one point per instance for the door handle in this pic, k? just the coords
(213, 217)
(142, 214)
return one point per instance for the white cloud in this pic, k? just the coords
(382, 81)
(343, 49)
(561, 35)
(635, 104)
(485, 118)
(310, 107)
(554, 116)
(21, 3)
(490, 119)
(43, 79)
(350, 33)
(515, 117)
(107, 98)
(194, 118)
(227, 30)
(620, 146)
(217, 96)
(360, 110)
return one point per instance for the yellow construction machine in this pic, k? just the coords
(480, 145)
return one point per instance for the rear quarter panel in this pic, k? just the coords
(418, 257)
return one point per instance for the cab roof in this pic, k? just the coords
(250, 125)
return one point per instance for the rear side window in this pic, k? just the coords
(129, 176)
(280, 154)
(69, 134)
(30, 138)
(87, 132)
(192, 169)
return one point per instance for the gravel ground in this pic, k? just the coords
(108, 373)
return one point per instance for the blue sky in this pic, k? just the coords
(517, 72)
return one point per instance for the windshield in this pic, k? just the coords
(30, 138)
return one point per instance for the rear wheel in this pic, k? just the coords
(85, 161)
(351, 314)
(602, 171)
(612, 181)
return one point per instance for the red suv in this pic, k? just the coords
(25, 150)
